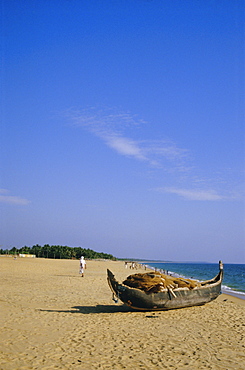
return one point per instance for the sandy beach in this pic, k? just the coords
(52, 318)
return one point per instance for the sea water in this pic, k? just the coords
(234, 274)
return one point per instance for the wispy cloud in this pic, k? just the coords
(122, 132)
(12, 199)
(125, 146)
(193, 194)
(115, 130)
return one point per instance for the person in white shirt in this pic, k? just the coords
(82, 266)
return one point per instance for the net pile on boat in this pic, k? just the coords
(154, 282)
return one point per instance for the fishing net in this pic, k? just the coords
(154, 282)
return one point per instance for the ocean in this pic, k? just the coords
(234, 274)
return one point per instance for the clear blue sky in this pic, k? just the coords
(122, 127)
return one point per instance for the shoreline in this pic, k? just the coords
(52, 318)
(237, 294)
(233, 298)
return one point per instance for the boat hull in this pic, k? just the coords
(166, 300)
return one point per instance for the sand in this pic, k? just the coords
(52, 318)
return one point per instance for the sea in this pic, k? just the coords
(234, 274)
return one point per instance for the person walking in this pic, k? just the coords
(82, 266)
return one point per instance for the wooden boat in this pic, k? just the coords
(167, 299)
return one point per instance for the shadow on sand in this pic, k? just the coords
(73, 276)
(94, 309)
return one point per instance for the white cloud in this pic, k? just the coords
(12, 199)
(125, 146)
(193, 194)
(172, 164)
(110, 126)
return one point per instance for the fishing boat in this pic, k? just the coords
(168, 298)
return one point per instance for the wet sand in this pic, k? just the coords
(52, 318)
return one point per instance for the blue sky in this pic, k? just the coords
(122, 127)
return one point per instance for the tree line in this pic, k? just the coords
(58, 251)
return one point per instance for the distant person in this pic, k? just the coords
(82, 266)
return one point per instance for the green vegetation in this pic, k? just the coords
(58, 251)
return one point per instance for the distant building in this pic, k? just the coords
(27, 255)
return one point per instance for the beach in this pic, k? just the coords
(52, 318)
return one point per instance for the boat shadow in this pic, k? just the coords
(72, 276)
(93, 309)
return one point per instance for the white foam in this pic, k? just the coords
(227, 290)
